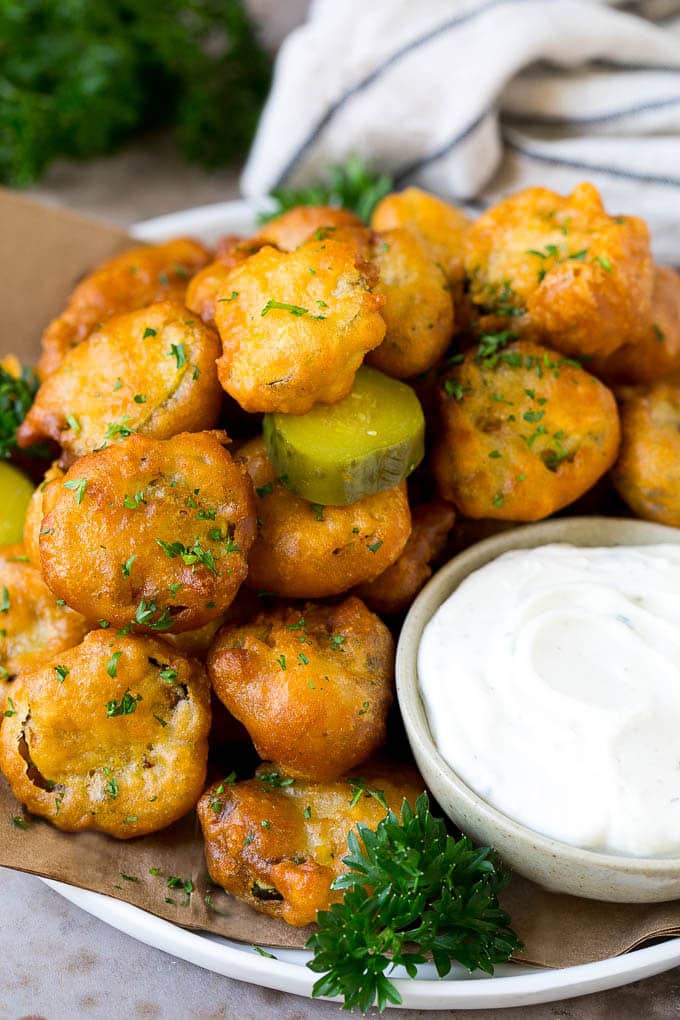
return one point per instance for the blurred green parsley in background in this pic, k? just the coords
(78, 77)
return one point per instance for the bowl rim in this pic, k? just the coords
(442, 584)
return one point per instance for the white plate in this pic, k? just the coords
(512, 985)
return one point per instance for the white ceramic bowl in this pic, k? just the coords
(549, 862)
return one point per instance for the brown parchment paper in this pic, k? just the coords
(43, 252)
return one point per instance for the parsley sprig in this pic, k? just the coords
(412, 891)
(349, 185)
(16, 397)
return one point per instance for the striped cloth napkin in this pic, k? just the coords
(473, 99)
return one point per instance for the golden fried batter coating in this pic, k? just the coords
(33, 627)
(150, 371)
(278, 845)
(111, 735)
(304, 550)
(656, 354)
(40, 503)
(312, 686)
(295, 327)
(151, 532)
(440, 226)
(205, 286)
(139, 277)
(562, 270)
(418, 310)
(291, 229)
(394, 591)
(198, 642)
(647, 473)
(524, 432)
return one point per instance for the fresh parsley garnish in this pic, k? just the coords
(127, 704)
(112, 70)
(349, 185)
(119, 429)
(78, 487)
(16, 398)
(283, 307)
(112, 788)
(126, 567)
(144, 616)
(274, 779)
(190, 554)
(491, 344)
(133, 502)
(178, 351)
(112, 664)
(412, 891)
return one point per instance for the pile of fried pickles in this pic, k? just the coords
(225, 543)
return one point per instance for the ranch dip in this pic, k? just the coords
(551, 682)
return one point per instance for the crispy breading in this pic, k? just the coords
(524, 431)
(304, 550)
(295, 326)
(151, 532)
(110, 735)
(33, 626)
(311, 685)
(418, 310)
(394, 590)
(561, 270)
(279, 847)
(647, 473)
(40, 503)
(151, 371)
(292, 228)
(205, 286)
(656, 354)
(440, 226)
(139, 277)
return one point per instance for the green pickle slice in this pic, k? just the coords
(338, 453)
(15, 492)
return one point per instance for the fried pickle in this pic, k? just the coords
(305, 550)
(111, 735)
(204, 288)
(524, 432)
(151, 371)
(33, 625)
(418, 310)
(278, 844)
(440, 226)
(153, 533)
(40, 503)
(647, 473)
(312, 686)
(295, 327)
(139, 277)
(656, 354)
(561, 270)
(394, 591)
(319, 222)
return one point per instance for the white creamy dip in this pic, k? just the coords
(551, 681)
